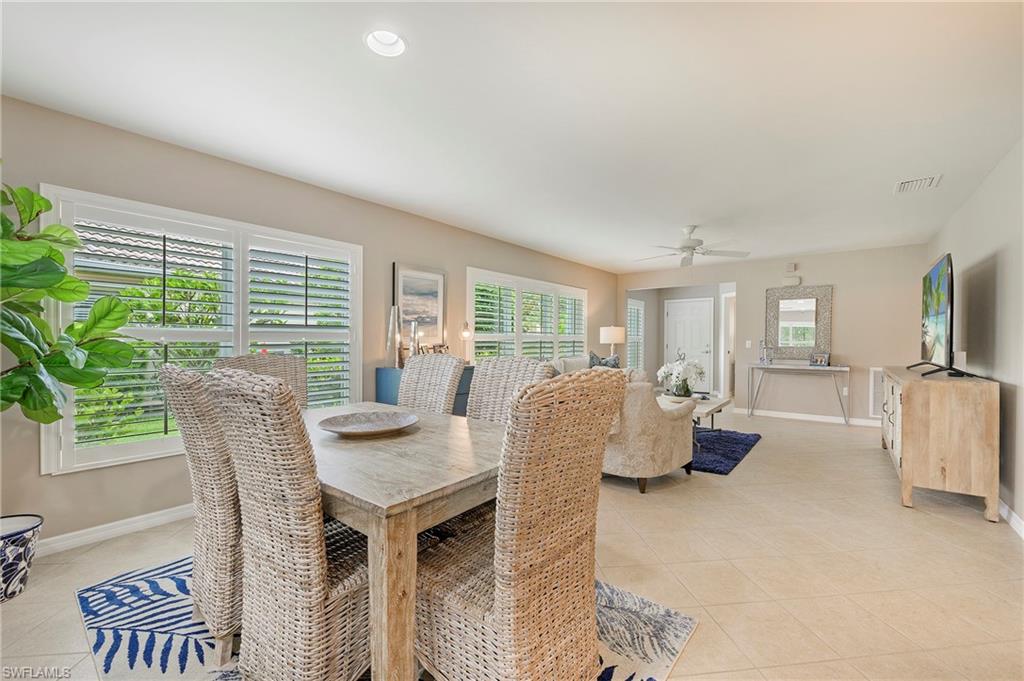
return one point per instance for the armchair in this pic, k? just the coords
(649, 441)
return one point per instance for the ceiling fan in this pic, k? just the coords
(689, 247)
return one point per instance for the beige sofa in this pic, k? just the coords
(567, 365)
(649, 441)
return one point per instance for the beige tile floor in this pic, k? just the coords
(801, 564)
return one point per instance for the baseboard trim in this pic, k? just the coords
(799, 416)
(1011, 518)
(71, 540)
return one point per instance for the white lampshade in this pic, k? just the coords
(613, 334)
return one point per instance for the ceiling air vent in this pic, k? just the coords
(917, 185)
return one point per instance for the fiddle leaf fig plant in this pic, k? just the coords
(32, 269)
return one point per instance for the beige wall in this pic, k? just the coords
(984, 237)
(40, 145)
(876, 310)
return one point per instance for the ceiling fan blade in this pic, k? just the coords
(725, 254)
(686, 260)
(668, 248)
(655, 257)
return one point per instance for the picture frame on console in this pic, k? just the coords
(820, 359)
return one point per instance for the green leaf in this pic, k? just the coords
(41, 325)
(47, 414)
(22, 295)
(69, 290)
(56, 255)
(5, 200)
(12, 386)
(61, 369)
(17, 252)
(76, 356)
(42, 273)
(24, 307)
(19, 328)
(109, 354)
(61, 235)
(28, 203)
(43, 398)
(8, 226)
(107, 314)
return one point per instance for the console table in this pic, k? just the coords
(388, 378)
(801, 369)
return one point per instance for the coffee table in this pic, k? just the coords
(708, 408)
(704, 409)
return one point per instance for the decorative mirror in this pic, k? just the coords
(798, 321)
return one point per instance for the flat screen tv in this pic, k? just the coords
(937, 313)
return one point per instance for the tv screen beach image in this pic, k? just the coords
(935, 315)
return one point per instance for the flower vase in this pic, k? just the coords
(683, 389)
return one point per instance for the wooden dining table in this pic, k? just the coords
(390, 488)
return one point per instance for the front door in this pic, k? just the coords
(690, 330)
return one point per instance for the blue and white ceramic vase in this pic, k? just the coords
(18, 537)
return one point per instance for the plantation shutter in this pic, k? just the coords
(180, 287)
(538, 324)
(186, 279)
(494, 309)
(494, 325)
(299, 303)
(571, 326)
(512, 315)
(635, 334)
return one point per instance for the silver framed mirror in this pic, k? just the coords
(798, 321)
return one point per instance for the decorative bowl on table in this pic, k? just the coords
(368, 423)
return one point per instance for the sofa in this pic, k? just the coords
(567, 365)
(648, 441)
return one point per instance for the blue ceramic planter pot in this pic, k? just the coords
(18, 537)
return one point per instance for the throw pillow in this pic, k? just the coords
(596, 361)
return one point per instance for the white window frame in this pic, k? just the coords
(640, 338)
(72, 204)
(519, 284)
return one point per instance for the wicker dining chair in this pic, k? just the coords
(429, 382)
(216, 543)
(515, 601)
(289, 368)
(305, 598)
(496, 382)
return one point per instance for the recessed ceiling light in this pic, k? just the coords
(385, 43)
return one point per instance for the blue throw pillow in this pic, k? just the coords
(596, 361)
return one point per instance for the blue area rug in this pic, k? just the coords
(721, 451)
(139, 626)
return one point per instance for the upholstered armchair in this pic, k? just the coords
(649, 441)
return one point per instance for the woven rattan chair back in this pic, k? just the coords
(216, 544)
(429, 383)
(289, 368)
(497, 381)
(546, 521)
(284, 628)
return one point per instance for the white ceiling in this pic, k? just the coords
(586, 131)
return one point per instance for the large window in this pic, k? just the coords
(635, 334)
(199, 288)
(515, 316)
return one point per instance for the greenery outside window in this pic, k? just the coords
(517, 316)
(199, 288)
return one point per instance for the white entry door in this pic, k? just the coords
(690, 329)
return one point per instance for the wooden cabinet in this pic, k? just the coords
(943, 433)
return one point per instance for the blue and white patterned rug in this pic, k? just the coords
(140, 626)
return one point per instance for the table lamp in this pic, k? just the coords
(613, 335)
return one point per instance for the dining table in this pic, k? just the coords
(390, 488)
